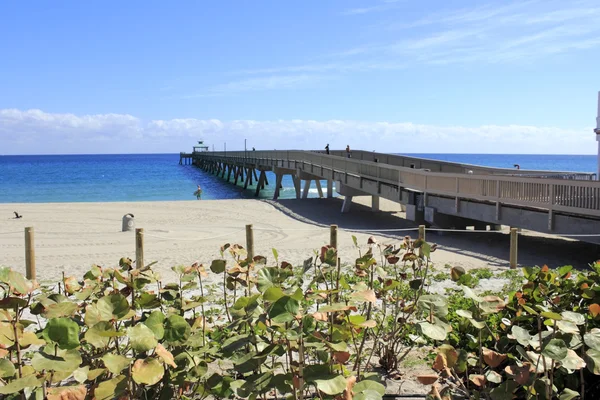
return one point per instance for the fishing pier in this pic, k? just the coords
(437, 193)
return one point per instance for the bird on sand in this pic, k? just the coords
(17, 216)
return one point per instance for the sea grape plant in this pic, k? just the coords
(545, 341)
(236, 328)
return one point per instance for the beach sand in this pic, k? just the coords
(70, 237)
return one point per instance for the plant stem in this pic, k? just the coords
(225, 295)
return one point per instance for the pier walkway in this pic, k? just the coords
(443, 194)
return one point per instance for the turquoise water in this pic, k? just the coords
(154, 177)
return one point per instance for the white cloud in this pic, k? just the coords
(385, 5)
(38, 132)
(270, 82)
(517, 32)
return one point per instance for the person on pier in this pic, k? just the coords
(327, 149)
(348, 151)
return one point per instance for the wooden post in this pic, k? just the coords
(514, 244)
(139, 247)
(422, 232)
(333, 242)
(29, 253)
(250, 242)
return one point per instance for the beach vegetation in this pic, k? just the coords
(253, 328)
(538, 342)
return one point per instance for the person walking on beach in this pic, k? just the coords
(327, 149)
(348, 151)
(198, 193)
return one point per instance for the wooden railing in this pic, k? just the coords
(570, 196)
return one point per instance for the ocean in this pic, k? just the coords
(156, 177)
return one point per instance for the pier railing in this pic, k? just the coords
(580, 197)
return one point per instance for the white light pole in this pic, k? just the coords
(597, 130)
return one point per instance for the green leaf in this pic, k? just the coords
(177, 330)
(522, 335)
(99, 335)
(65, 309)
(148, 371)
(573, 317)
(471, 294)
(17, 385)
(568, 394)
(275, 255)
(331, 385)
(218, 266)
(432, 331)
(415, 284)
(572, 361)
(504, 391)
(556, 349)
(112, 389)
(592, 359)
(18, 283)
(115, 363)
(567, 326)
(434, 303)
(141, 338)
(369, 385)
(64, 360)
(592, 339)
(63, 331)
(7, 368)
(112, 307)
(284, 309)
(81, 374)
(552, 315)
(155, 322)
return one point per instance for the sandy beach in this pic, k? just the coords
(70, 237)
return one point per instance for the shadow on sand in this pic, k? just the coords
(491, 247)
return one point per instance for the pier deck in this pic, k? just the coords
(443, 194)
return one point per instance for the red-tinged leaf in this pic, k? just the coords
(165, 355)
(341, 357)
(478, 380)
(493, 358)
(440, 362)
(427, 379)
(594, 309)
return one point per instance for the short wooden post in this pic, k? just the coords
(29, 253)
(422, 232)
(514, 244)
(139, 247)
(333, 231)
(250, 242)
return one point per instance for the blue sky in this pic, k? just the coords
(400, 76)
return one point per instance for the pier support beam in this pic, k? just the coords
(296, 185)
(279, 173)
(261, 183)
(375, 203)
(319, 188)
(329, 188)
(306, 189)
(346, 204)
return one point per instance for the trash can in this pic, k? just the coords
(128, 222)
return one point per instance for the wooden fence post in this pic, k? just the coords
(514, 244)
(333, 231)
(250, 242)
(139, 247)
(29, 253)
(422, 232)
